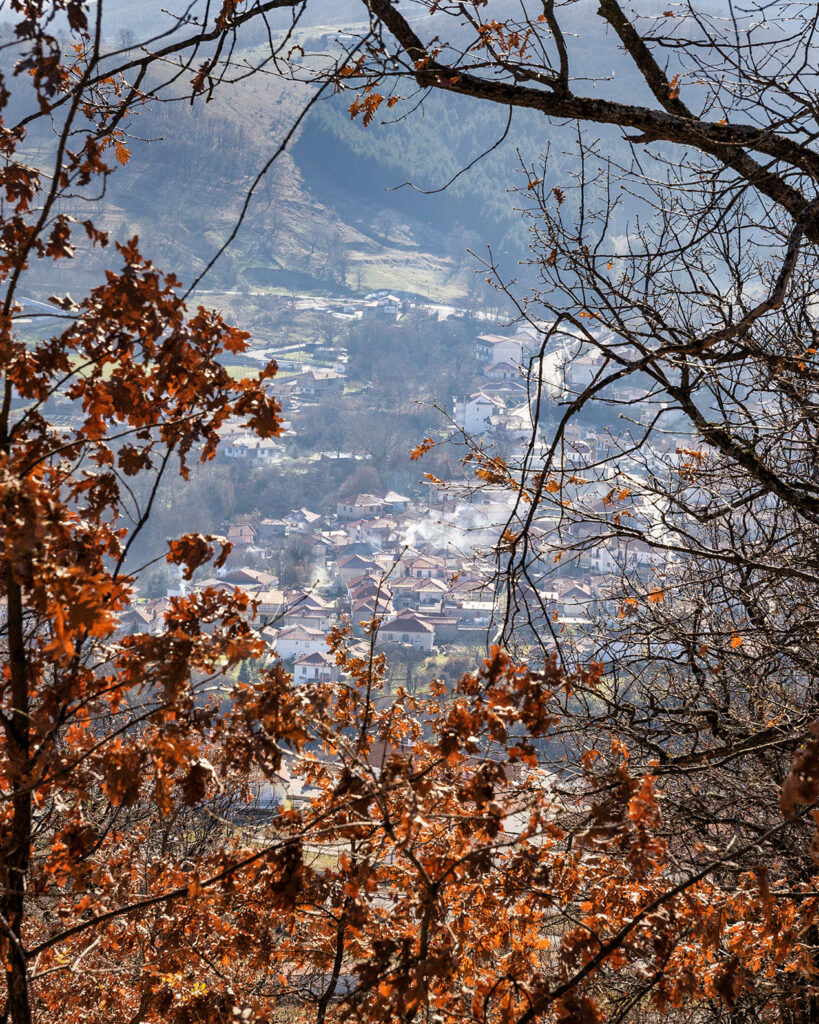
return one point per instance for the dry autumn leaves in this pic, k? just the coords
(434, 869)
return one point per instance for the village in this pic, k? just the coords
(426, 564)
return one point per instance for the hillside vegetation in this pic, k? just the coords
(350, 224)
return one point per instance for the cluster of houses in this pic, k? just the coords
(502, 398)
(517, 371)
(425, 566)
(391, 558)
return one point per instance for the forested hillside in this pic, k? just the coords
(311, 225)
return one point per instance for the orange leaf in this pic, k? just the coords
(422, 448)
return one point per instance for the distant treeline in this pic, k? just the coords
(428, 148)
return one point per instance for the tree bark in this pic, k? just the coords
(16, 844)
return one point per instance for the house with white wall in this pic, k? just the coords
(472, 413)
(294, 641)
(408, 627)
(497, 348)
(314, 668)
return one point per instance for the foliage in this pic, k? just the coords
(92, 720)
(434, 866)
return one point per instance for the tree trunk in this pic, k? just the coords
(16, 844)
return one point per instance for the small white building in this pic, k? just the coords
(497, 348)
(269, 601)
(425, 567)
(472, 413)
(253, 449)
(295, 641)
(398, 503)
(302, 520)
(408, 628)
(317, 381)
(502, 371)
(314, 668)
(574, 599)
(361, 506)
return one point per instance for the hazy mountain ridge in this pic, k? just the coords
(335, 212)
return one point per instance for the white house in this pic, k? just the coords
(361, 506)
(307, 609)
(314, 668)
(472, 413)
(269, 601)
(398, 503)
(581, 368)
(252, 449)
(602, 556)
(496, 348)
(429, 594)
(502, 371)
(383, 305)
(316, 381)
(518, 423)
(425, 567)
(408, 628)
(302, 519)
(296, 641)
(575, 599)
